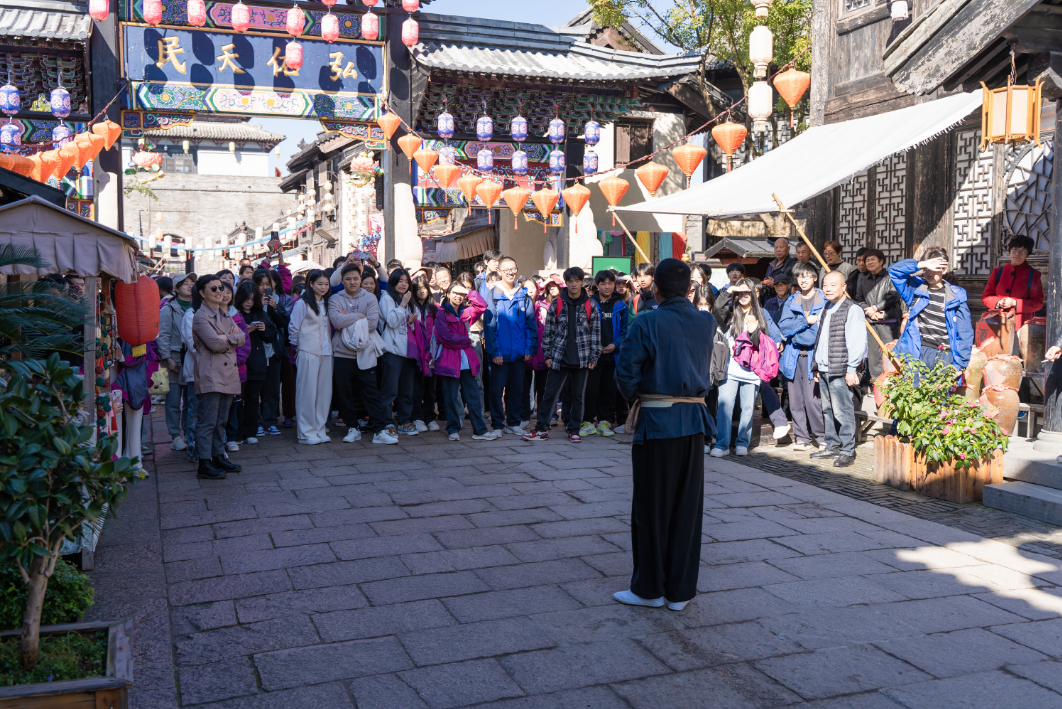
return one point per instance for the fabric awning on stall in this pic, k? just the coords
(67, 243)
(457, 247)
(817, 160)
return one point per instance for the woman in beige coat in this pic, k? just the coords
(217, 378)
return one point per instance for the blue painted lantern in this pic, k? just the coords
(485, 128)
(485, 160)
(60, 102)
(11, 137)
(445, 125)
(9, 99)
(590, 162)
(556, 162)
(518, 129)
(447, 155)
(592, 133)
(61, 135)
(519, 163)
(557, 131)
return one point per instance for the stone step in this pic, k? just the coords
(1024, 464)
(1036, 501)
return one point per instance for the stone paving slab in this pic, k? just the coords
(441, 575)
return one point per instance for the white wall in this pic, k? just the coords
(242, 163)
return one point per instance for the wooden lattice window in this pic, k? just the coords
(972, 213)
(890, 207)
(852, 214)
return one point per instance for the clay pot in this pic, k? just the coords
(1003, 369)
(1032, 343)
(1005, 399)
(887, 367)
(974, 373)
(879, 395)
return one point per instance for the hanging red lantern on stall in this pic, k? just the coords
(152, 12)
(729, 136)
(330, 28)
(136, 307)
(576, 198)
(293, 55)
(791, 86)
(446, 174)
(196, 13)
(389, 122)
(296, 21)
(468, 185)
(545, 200)
(652, 175)
(241, 17)
(614, 188)
(689, 157)
(515, 199)
(370, 26)
(99, 10)
(410, 32)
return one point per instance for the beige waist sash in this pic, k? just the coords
(655, 401)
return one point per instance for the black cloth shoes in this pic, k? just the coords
(843, 461)
(825, 454)
(207, 471)
(224, 465)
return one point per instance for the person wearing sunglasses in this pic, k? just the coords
(216, 336)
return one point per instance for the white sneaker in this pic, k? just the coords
(707, 450)
(588, 429)
(385, 438)
(604, 430)
(421, 428)
(526, 425)
(488, 436)
(677, 605)
(629, 598)
(781, 432)
(800, 447)
(741, 450)
(432, 426)
(455, 436)
(251, 441)
(719, 452)
(261, 432)
(179, 444)
(515, 430)
(232, 446)
(619, 429)
(311, 441)
(353, 434)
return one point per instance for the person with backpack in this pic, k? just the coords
(938, 320)
(601, 394)
(1015, 288)
(799, 325)
(571, 343)
(511, 341)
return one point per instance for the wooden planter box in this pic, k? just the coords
(898, 465)
(107, 692)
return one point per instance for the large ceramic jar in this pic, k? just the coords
(1005, 399)
(1004, 369)
(974, 373)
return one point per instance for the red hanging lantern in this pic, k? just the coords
(84, 150)
(153, 12)
(136, 307)
(489, 192)
(688, 157)
(196, 13)
(515, 198)
(370, 3)
(410, 6)
(293, 55)
(36, 166)
(370, 26)
(468, 185)
(446, 174)
(545, 200)
(652, 175)
(389, 122)
(614, 188)
(409, 143)
(426, 159)
(576, 198)
(68, 156)
(410, 32)
(98, 144)
(729, 136)
(99, 10)
(241, 17)
(49, 163)
(110, 132)
(296, 21)
(329, 28)
(791, 86)
(328, 3)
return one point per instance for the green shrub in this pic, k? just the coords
(62, 657)
(69, 596)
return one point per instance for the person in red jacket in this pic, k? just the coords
(1016, 286)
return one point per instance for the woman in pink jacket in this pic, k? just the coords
(456, 363)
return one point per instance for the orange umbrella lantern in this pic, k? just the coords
(389, 122)
(426, 158)
(21, 165)
(68, 156)
(84, 150)
(446, 174)
(576, 198)
(410, 144)
(729, 136)
(468, 185)
(35, 168)
(109, 131)
(545, 201)
(49, 164)
(614, 188)
(99, 144)
(515, 198)
(688, 157)
(489, 192)
(652, 175)
(791, 86)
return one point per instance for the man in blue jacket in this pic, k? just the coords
(600, 399)
(663, 362)
(511, 334)
(938, 321)
(799, 323)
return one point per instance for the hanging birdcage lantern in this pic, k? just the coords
(519, 162)
(556, 162)
(370, 26)
(592, 133)
(485, 128)
(196, 13)
(329, 28)
(557, 131)
(485, 160)
(761, 50)
(11, 137)
(518, 129)
(590, 162)
(410, 32)
(241, 17)
(444, 125)
(60, 102)
(10, 100)
(761, 105)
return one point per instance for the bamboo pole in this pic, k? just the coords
(628, 233)
(789, 214)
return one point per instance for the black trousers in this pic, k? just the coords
(248, 408)
(601, 393)
(666, 517)
(271, 393)
(554, 381)
(424, 397)
(345, 375)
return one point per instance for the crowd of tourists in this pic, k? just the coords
(362, 349)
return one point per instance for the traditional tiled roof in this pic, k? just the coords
(518, 49)
(47, 20)
(633, 36)
(216, 130)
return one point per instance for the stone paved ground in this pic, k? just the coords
(437, 574)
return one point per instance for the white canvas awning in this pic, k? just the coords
(67, 242)
(464, 246)
(817, 160)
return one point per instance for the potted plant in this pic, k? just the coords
(948, 447)
(55, 477)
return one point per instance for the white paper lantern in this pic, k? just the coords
(761, 50)
(761, 105)
(762, 6)
(167, 246)
(899, 10)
